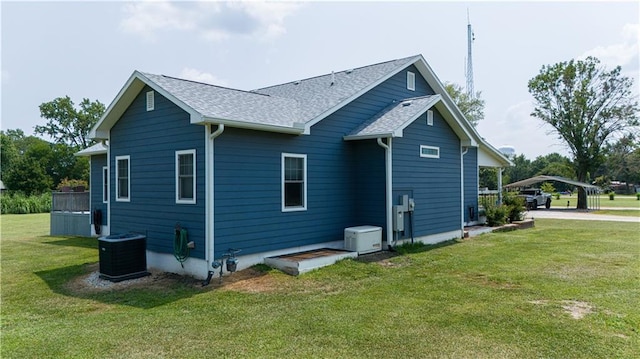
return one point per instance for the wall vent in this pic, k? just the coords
(429, 118)
(150, 101)
(411, 81)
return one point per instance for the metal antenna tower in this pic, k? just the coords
(469, 74)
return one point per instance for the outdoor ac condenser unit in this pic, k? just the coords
(363, 239)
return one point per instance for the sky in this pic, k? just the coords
(89, 49)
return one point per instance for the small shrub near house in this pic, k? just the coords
(514, 207)
(496, 215)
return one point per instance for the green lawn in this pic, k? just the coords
(502, 295)
(620, 201)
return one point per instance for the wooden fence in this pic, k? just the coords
(70, 202)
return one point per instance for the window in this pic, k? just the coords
(105, 184)
(411, 81)
(150, 101)
(186, 176)
(429, 151)
(294, 182)
(123, 184)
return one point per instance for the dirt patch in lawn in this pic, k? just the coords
(577, 309)
(247, 280)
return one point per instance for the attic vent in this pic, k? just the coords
(406, 103)
(296, 82)
(150, 101)
(349, 71)
(411, 81)
(333, 78)
(429, 118)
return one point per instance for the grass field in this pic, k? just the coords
(564, 289)
(620, 201)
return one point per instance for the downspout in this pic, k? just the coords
(500, 185)
(463, 151)
(209, 182)
(388, 187)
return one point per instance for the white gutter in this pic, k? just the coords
(389, 188)
(209, 183)
(463, 151)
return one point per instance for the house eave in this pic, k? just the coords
(295, 130)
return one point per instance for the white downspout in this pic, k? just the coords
(463, 151)
(500, 185)
(209, 183)
(388, 185)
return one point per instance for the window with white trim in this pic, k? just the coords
(186, 176)
(411, 81)
(123, 181)
(105, 184)
(294, 182)
(429, 151)
(151, 103)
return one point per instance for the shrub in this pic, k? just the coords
(496, 215)
(612, 196)
(18, 203)
(514, 207)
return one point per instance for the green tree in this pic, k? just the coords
(520, 170)
(623, 160)
(585, 105)
(8, 153)
(28, 176)
(69, 125)
(471, 107)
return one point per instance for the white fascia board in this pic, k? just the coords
(368, 137)
(125, 97)
(116, 108)
(328, 112)
(464, 136)
(250, 125)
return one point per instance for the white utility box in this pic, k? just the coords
(363, 239)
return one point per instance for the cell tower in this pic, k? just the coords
(469, 75)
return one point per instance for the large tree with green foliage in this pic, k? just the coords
(472, 107)
(68, 124)
(586, 105)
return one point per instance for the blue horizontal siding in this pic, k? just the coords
(471, 184)
(151, 138)
(434, 183)
(96, 188)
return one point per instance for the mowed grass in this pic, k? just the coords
(501, 295)
(619, 201)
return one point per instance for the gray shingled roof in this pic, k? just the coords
(317, 95)
(395, 117)
(229, 104)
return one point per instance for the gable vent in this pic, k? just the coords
(411, 81)
(150, 101)
(429, 118)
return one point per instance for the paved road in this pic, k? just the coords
(580, 215)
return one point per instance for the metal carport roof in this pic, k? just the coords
(593, 201)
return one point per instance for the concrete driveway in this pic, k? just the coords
(581, 215)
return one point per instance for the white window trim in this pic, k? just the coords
(178, 199)
(151, 101)
(430, 148)
(411, 81)
(304, 187)
(118, 198)
(105, 184)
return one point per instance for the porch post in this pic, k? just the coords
(500, 185)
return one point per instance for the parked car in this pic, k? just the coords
(534, 197)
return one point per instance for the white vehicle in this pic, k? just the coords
(534, 197)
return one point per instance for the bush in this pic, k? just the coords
(612, 196)
(514, 207)
(496, 215)
(18, 203)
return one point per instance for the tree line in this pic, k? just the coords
(32, 165)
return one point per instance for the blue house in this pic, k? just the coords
(285, 168)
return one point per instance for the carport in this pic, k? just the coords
(593, 198)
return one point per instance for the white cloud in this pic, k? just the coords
(199, 76)
(212, 20)
(622, 53)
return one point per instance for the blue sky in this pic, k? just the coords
(89, 49)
